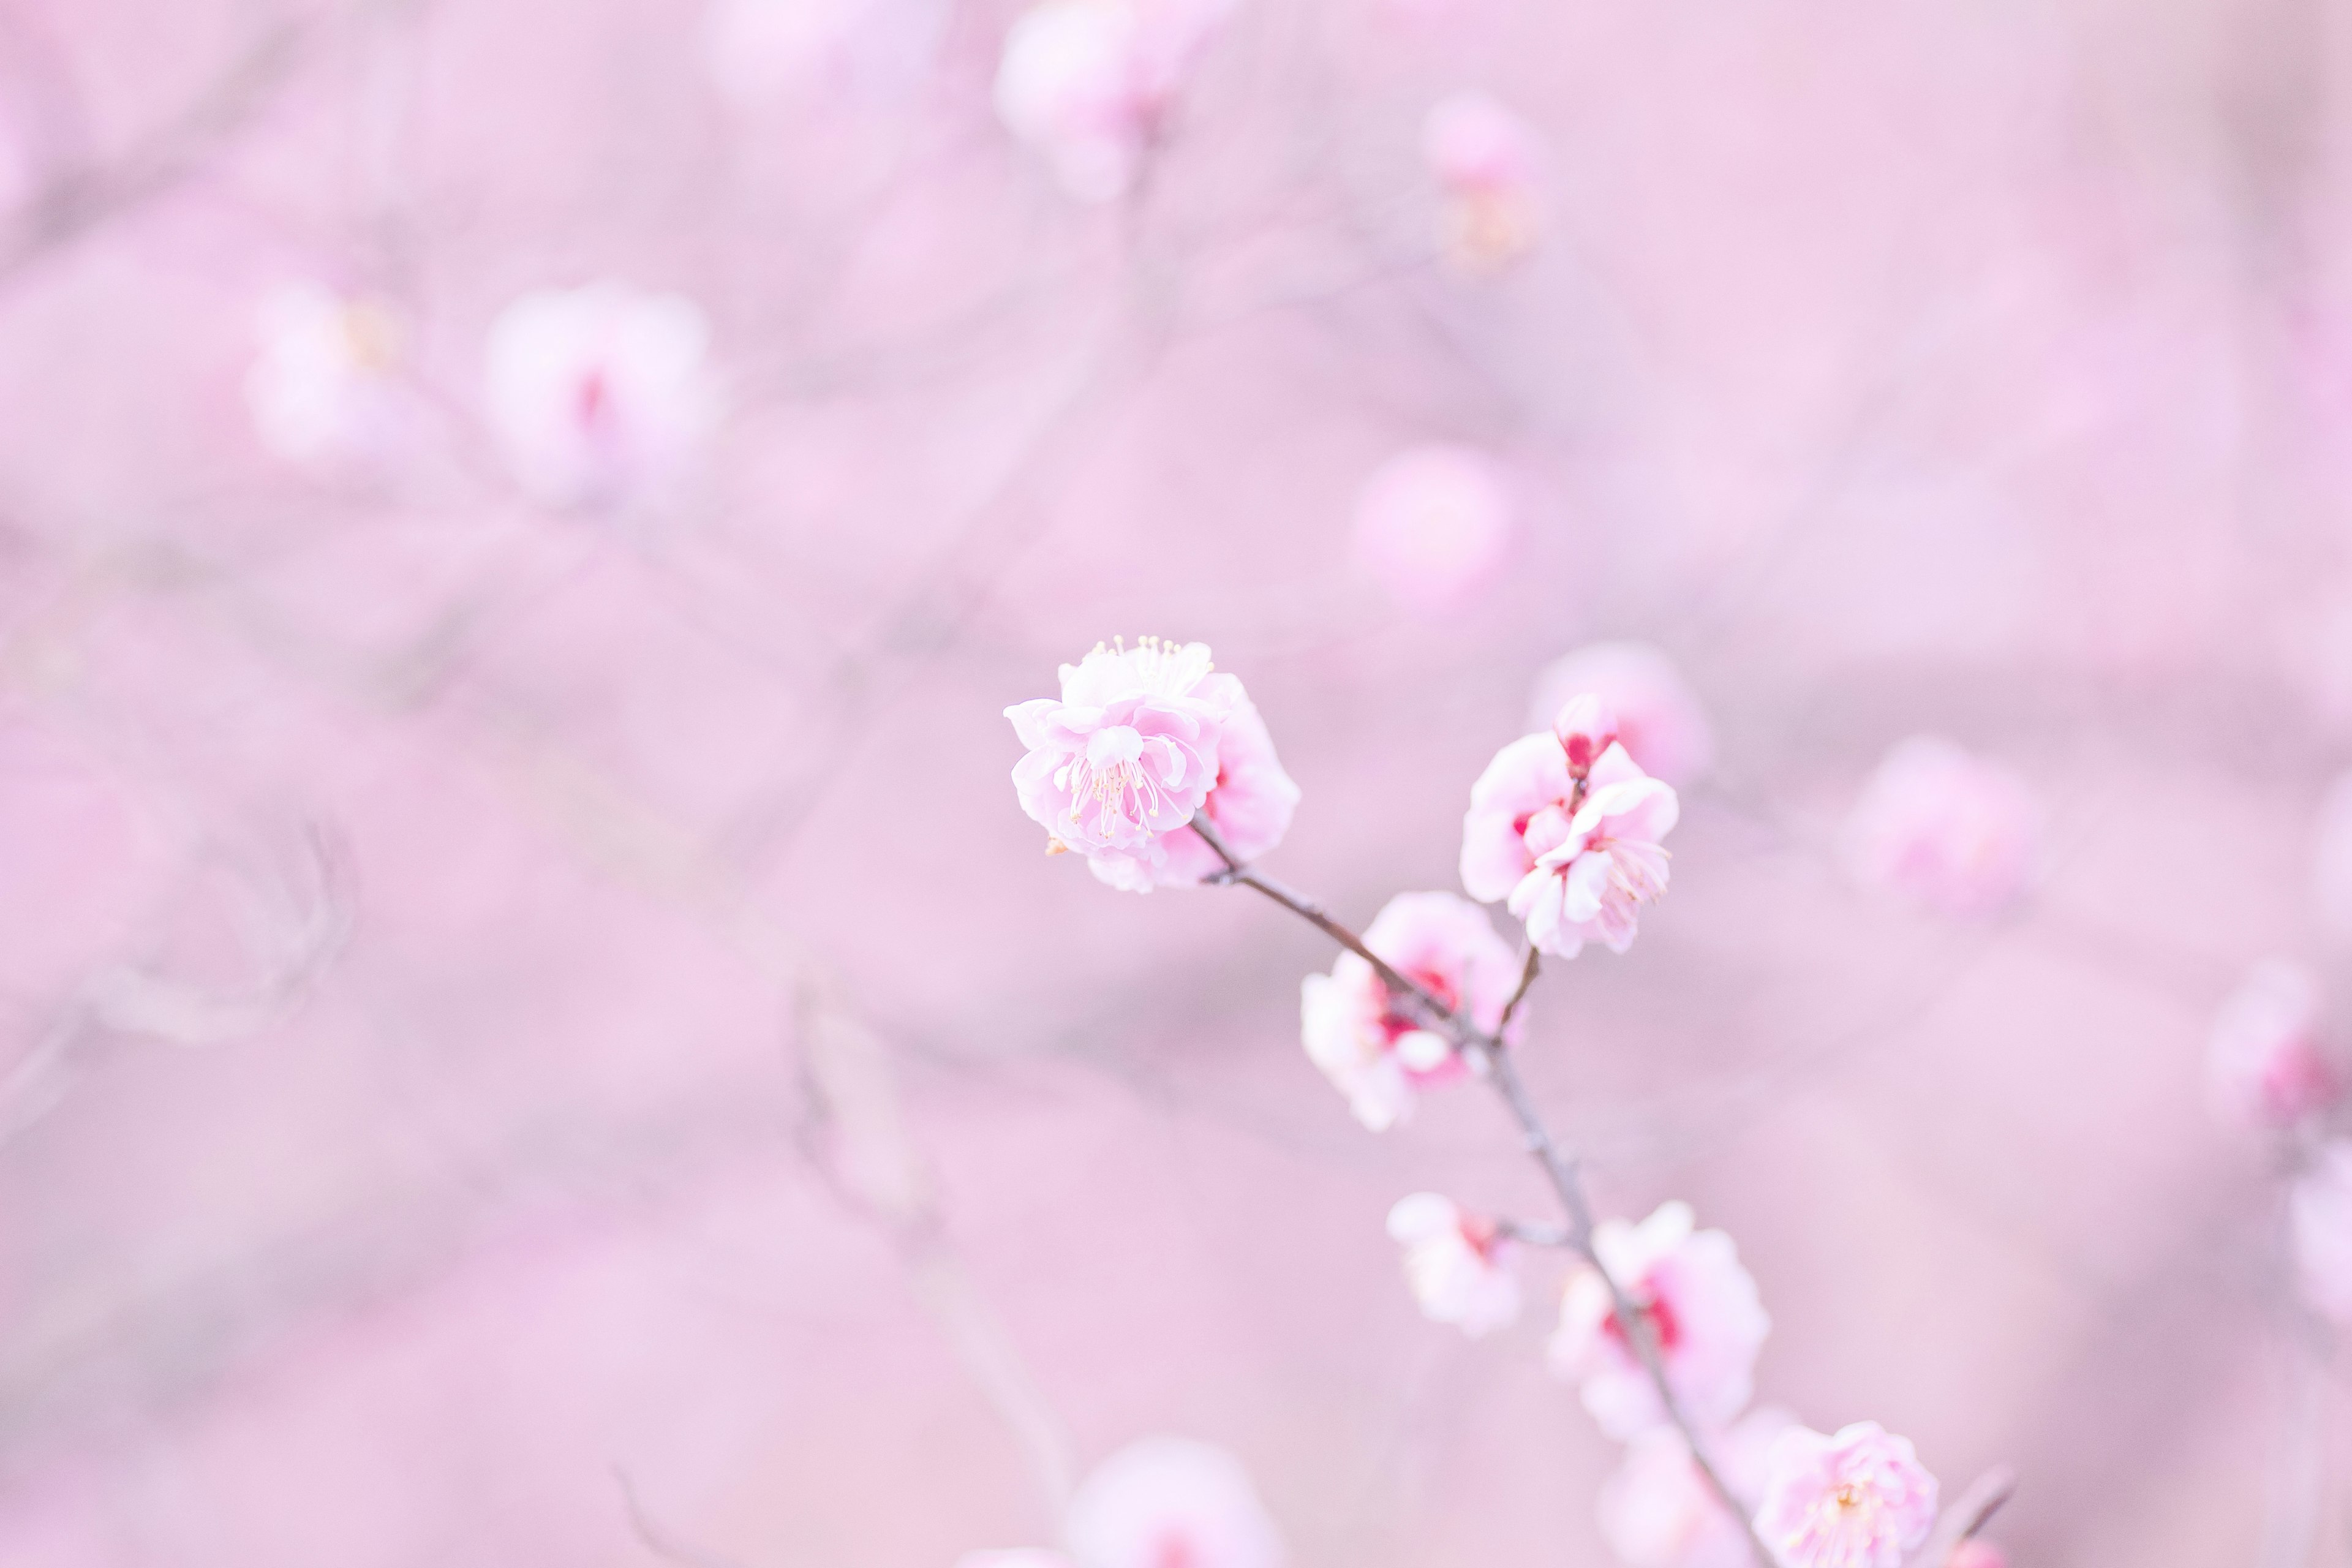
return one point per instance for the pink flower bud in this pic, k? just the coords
(1586, 727)
(2264, 1063)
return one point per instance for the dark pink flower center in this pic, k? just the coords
(1665, 1327)
(1396, 1023)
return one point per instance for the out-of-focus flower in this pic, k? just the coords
(1454, 1263)
(1482, 157)
(2331, 863)
(1657, 1511)
(1660, 720)
(1703, 1313)
(2320, 1214)
(1016, 1557)
(1163, 1501)
(1858, 1499)
(324, 388)
(1139, 740)
(1088, 84)
(1371, 1048)
(599, 395)
(1944, 828)
(2264, 1061)
(1433, 524)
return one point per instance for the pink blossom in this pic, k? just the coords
(2320, 1214)
(1660, 720)
(1088, 84)
(601, 394)
(324, 387)
(1703, 1315)
(2264, 1063)
(1585, 728)
(1859, 1499)
(1455, 1264)
(1372, 1050)
(1658, 1512)
(1482, 157)
(1944, 828)
(1140, 739)
(1170, 1500)
(1576, 857)
(1432, 525)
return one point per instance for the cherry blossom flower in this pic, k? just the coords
(1660, 720)
(2264, 1064)
(2320, 1216)
(1456, 1263)
(1139, 740)
(1482, 157)
(1576, 855)
(1088, 83)
(324, 388)
(1944, 828)
(1658, 1512)
(1433, 524)
(1164, 1500)
(1371, 1048)
(1858, 1499)
(599, 395)
(1703, 1315)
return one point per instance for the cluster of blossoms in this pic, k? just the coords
(1660, 1324)
(1160, 1502)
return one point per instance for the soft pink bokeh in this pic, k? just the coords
(534, 1030)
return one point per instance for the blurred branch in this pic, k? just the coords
(77, 197)
(657, 1539)
(1969, 1513)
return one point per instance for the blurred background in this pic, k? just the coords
(533, 1029)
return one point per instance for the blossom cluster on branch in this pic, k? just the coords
(1156, 770)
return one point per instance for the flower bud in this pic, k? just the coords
(1586, 727)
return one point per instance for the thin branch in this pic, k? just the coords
(1968, 1513)
(1526, 983)
(1487, 1057)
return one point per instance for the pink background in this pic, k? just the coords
(1973, 366)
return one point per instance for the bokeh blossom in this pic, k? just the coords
(762, 50)
(1658, 1512)
(2264, 1062)
(1456, 1263)
(1857, 1499)
(1432, 525)
(1943, 829)
(599, 395)
(2320, 1225)
(324, 388)
(1164, 1500)
(1974, 1552)
(1660, 720)
(1139, 740)
(1482, 157)
(1703, 1313)
(1575, 852)
(1088, 84)
(1370, 1045)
